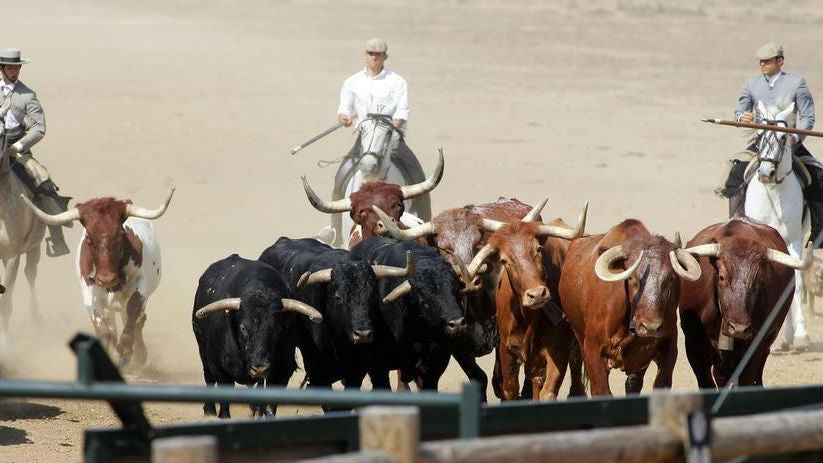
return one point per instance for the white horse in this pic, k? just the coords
(20, 233)
(372, 160)
(775, 197)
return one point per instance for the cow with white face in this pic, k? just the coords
(118, 265)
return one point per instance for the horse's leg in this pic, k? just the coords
(10, 275)
(801, 337)
(32, 259)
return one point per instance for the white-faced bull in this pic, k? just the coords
(119, 267)
(243, 322)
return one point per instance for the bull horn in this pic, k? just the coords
(401, 290)
(293, 305)
(535, 212)
(230, 303)
(563, 232)
(678, 243)
(329, 207)
(785, 259)
(601, 266)
(404, 235)
(685, 264)
(411, 191)
(56, 219)
(491, 225)
(385, 271)
(313, 278)
(151, 214)
(707, 250)
(484, 253)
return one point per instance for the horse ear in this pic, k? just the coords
(783, 115)
(761, 109)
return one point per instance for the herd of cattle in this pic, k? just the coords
(545, 296)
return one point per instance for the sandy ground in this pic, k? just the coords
(600, 102)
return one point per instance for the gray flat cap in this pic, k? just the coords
(12, 56)
(768, 51)
(377, 45)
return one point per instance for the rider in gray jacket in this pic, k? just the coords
(775, 87)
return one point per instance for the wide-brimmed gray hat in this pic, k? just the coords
(12, 56)
(769, 51)
(377, 45)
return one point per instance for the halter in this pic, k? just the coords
(769, 141)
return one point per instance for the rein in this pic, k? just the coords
(769, 139)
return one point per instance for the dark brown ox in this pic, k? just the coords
(626, 319)
(387, 196)
(119, 267)
(458, 234)
(531, 331)
(745, 269)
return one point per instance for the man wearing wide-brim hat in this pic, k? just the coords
(24, 124)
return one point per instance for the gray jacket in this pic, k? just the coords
(788, 88)
(27, 109)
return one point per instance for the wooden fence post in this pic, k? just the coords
(681, 414)
(185, 449)
(392, 430)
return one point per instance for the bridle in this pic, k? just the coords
(769, 141)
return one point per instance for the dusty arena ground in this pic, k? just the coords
(600, 102)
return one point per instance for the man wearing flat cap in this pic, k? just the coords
(777, 88)
(24, 123)
(377, 88)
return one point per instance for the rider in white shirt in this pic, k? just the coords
(378, 89)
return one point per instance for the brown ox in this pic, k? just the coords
(530, 254)
(118, 265)
(627, 319)
(387, 196)
(458, 234)
(745, 269)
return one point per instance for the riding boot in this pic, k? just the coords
(816, 216)
(47, 199)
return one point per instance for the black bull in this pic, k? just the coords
(345, 292)
(422, 323)
(243, 327)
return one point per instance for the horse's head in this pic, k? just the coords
(376, 131)
(775, 160)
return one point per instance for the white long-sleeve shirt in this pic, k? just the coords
(362, 94)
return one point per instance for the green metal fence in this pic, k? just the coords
(443, 415)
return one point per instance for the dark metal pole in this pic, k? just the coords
(315, 138)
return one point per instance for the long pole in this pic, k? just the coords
(315, 138)
(774, 128)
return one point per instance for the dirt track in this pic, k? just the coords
(598, 103)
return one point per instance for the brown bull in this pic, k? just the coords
(119, 266)
(387, 196)
(745, 269)
(627, 319)
(531, 254)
